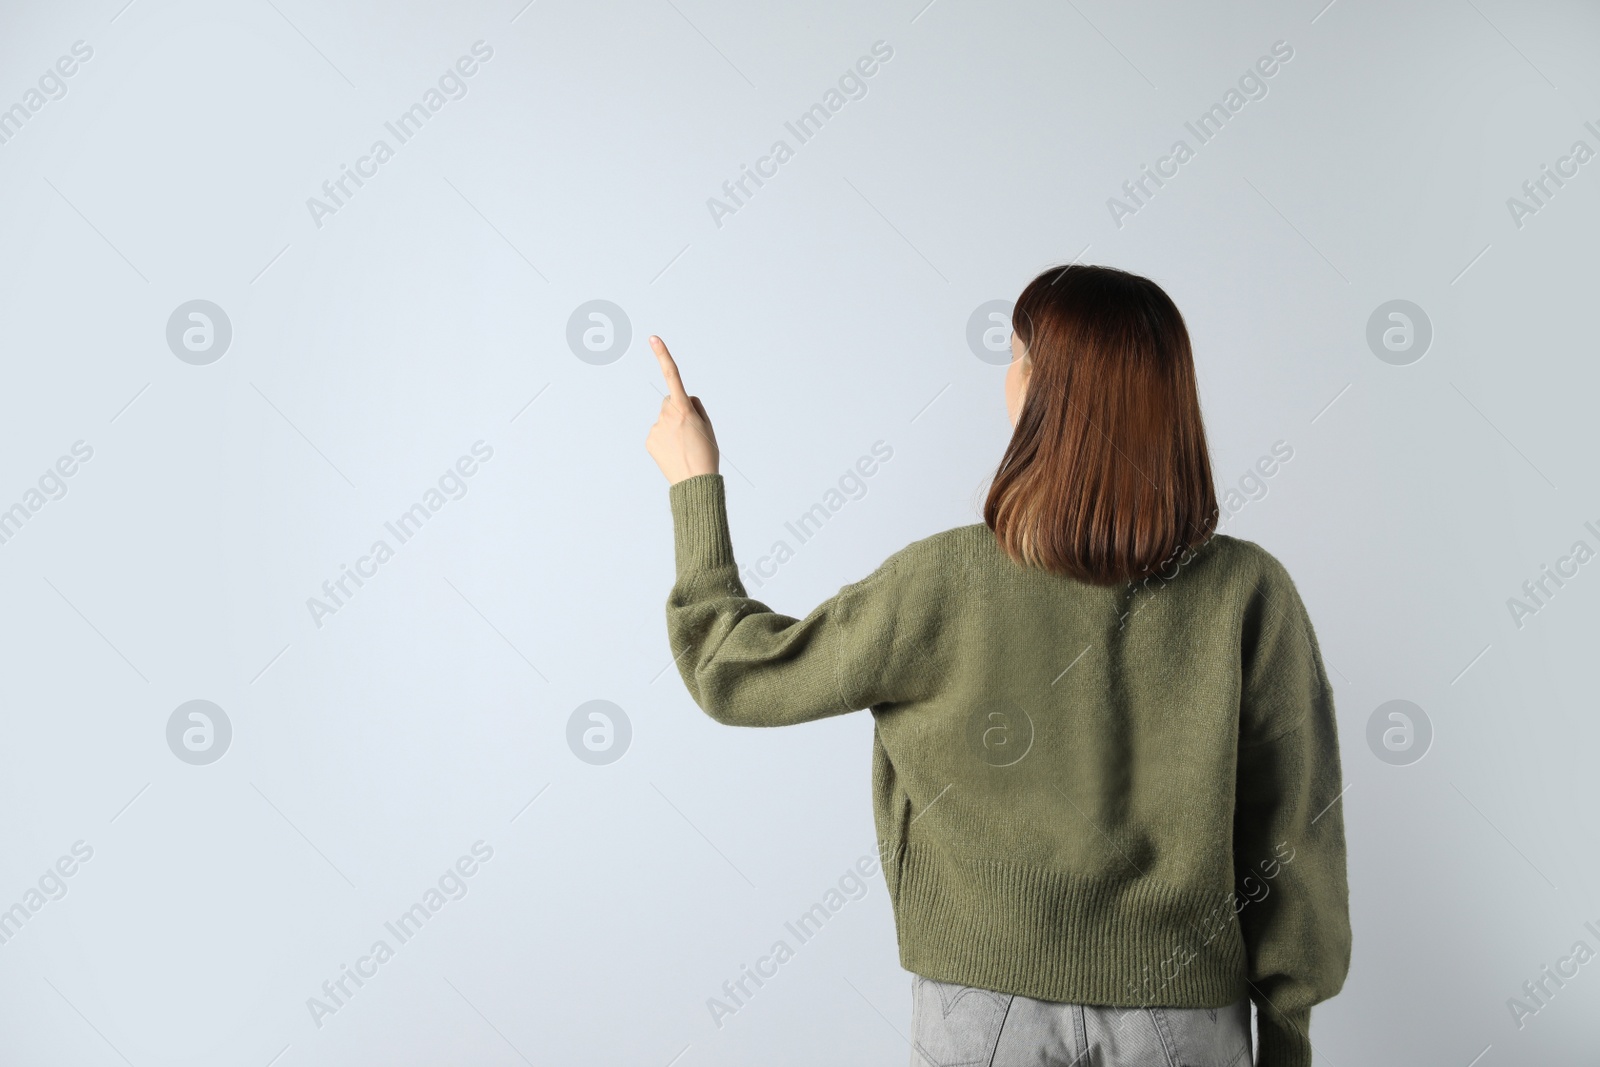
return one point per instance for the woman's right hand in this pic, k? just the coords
(682, 441)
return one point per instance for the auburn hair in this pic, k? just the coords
(1107, 477)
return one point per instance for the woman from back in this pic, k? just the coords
(1105, 763)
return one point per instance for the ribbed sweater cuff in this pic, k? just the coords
(700, 524)
(1284, 1038)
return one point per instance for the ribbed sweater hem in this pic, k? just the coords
(1045, 934)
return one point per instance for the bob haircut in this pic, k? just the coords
(1107, 477)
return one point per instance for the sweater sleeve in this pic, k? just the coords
(1289, 845)
(747, 665)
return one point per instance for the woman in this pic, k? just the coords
(1105, 765)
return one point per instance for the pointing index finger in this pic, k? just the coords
(669, 370)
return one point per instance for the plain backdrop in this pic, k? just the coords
(374, 745)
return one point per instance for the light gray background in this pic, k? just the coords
(829, 313)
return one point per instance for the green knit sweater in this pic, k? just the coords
(1118, 795)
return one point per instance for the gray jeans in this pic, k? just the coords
(960, 1026)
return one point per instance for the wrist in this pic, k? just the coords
(693, 473)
